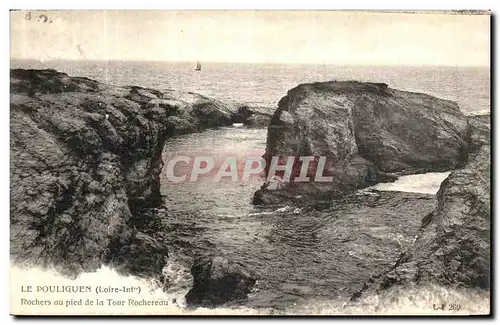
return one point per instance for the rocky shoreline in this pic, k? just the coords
(85, 160)
(371, 133)
(85, 165)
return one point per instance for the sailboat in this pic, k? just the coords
(198, 66)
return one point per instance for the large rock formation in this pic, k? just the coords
(85, 160)
(368, 132)
(218, 281)
(453, 246)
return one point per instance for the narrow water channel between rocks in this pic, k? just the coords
(298, 254)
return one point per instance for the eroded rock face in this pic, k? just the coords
(218, 281)
(85, 160)
(453, 246)
(479, 133)
(367, 132)
(255, 117)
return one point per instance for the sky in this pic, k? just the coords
(305, 37)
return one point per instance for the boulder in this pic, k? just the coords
(258, 120)
(253, 116)
(366, 131)
(212, 113)
(218, 281)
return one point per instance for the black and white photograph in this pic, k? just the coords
(250, 162)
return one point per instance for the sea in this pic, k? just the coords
(300, 257)
(265, 84)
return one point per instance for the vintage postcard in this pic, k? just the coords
(250, 162)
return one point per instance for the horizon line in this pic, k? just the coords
(262, 62)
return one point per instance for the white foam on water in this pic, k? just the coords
(286, 208)
(283, 209)
(171, 300)
(416, 301)
(427, 183)
(485, 111)
(427, 300)
(263, 213)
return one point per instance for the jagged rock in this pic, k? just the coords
(365, 130)
(218, 281)
(258, 120)
(242, 114)
(85, 160)
(453, 246)
(36, 82)
(143, 254)
(479, 132)
(253, 116)
(212, 114)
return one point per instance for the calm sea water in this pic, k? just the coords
(266, 84)
(306, 261)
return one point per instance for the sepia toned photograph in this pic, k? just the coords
(250, 162)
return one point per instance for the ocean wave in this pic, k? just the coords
(425, 300)
(422, 300)
(284, 209)
(427, 183)
(151, 291)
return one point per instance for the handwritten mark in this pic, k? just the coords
(42, 18)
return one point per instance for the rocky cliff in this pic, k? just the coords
(368, 133)
(453, 246)
(85, 159)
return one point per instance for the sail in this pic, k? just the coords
(198, 66)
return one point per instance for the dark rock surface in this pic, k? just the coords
(253, 116)
(85, 159)
(453, 246)
(367, 131)
(218, 281)
(479, 133)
